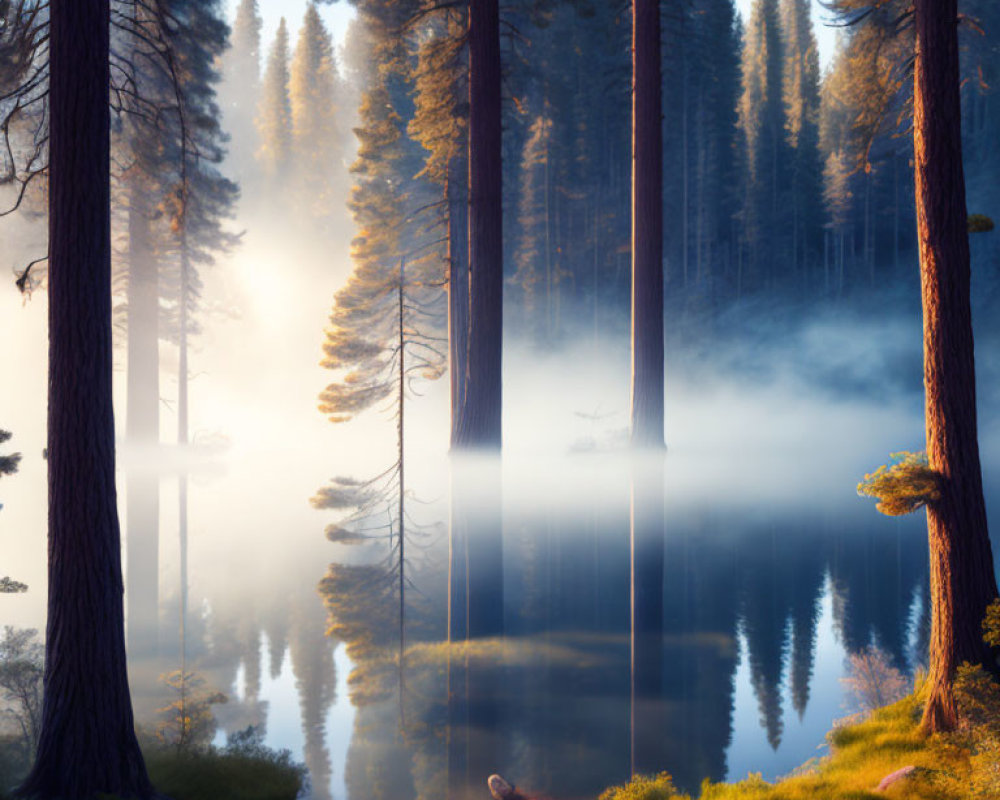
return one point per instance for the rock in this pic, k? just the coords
(895, 777)
(502, 789)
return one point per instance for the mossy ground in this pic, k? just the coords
(861, 755)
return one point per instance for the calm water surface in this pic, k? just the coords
(563, 637)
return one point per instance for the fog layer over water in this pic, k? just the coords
(771, 570)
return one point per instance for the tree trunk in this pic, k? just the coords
(457, 198)
(87, 742)
(962, 579)
(480, 424)
(647, 228)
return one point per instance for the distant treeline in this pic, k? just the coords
(779, 178)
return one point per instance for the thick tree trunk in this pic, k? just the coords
(647, 227)
(457, 198)
(962, 579)
(87, 742)
(480, 423)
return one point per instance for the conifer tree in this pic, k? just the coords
(864, 118)
(716, 178)
(241, 68)
(801, 100)
(244, 55)
(312, 89)
(440, 124)
(174, 159)
(274, 114)
(533, 254)
(87, 744)
(837, 198)
(762, 124)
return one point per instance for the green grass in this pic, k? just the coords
(861, 755)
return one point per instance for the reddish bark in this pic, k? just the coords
(87, 742)
(647, 227)
(961, 560)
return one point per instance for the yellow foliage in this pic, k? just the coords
(645, 787)
(903, 487)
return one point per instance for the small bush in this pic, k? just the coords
(904, 486)
(873, 681)
(244, 770)
(645, 787)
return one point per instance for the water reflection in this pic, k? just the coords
(564, 646)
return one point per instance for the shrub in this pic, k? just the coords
(873, 680)
(645, 787)
(243, 770)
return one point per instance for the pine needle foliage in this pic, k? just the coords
(904, 486)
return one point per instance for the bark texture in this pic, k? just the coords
(87, 743)
(647, 228)
(480, 420)
(961, 560)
